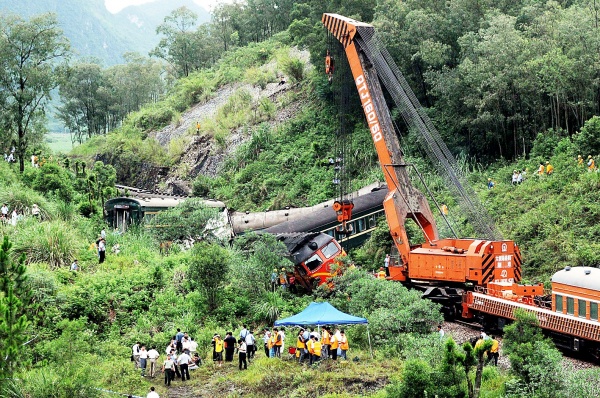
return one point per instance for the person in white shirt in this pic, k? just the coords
(103, 233)
(152, 393)
(75, 266)
(282, 334)
(441, 332)
(4, 210)
(143, 360)
(153, 357)
(136, 354)
(250, 345)
(184, 361)
(185, 344)
(193, 347)
(242, 348)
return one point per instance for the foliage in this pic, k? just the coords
(587, 140)
(294, 68)
(533, 358)
(391, 308)
(30, 52)
(416, 381)
(14, 299)
(184, 48)
(188, 220)
(207, 271)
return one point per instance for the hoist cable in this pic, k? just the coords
(418, 121)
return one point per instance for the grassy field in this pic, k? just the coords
(59, 142)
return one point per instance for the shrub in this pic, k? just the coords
(294, 68)
(54, 243)
(587, 140)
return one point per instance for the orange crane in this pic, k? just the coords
(442, 268)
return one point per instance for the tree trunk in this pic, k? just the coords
(478, 374)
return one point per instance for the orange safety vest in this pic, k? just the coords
(381, 275)
(344, 343)
(278, 340)
(334, 342)
(326, 337)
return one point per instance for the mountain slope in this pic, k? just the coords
(94, 31)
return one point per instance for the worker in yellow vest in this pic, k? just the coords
(334, 344)
(343, 344)
(271, 343)
(579, 161)
(325, 341)
(315, 350)
(219, 347)
(541, 169)
(381, 273)
(591, 164)
(278, 343)
(549, 168)
(493, 353)
(301, 346)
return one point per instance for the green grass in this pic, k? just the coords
(59, 142)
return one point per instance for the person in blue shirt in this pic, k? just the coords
(179, 338)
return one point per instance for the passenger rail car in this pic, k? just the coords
(367, 209)
(569, 313)
(121, 212)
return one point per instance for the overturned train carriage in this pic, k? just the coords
(121, 212)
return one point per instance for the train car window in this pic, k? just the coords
(570, 305)
(372, 222)
(360, 225)
(314, 262)
(594, 311)
(559, 302)
(330, 250)
(582, 310)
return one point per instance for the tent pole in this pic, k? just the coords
(369, 336)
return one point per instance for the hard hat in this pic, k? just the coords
(283, 269)
(578, 156)
(589, 156)
(275, 270)
(547, 162)
(489, 179)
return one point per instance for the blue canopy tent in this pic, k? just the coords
(321, 314)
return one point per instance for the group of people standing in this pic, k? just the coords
(181, 357)
(245, 346)
(13, 217)
(314, 346)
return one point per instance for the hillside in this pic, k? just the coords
(69, 331)
(94, 32)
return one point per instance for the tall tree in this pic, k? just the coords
(30, 51)
(179, 45)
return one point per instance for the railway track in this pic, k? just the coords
(462, 331)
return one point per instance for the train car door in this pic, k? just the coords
(121, 217)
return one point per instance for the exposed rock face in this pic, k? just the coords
(136, 174)
(202, 155)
